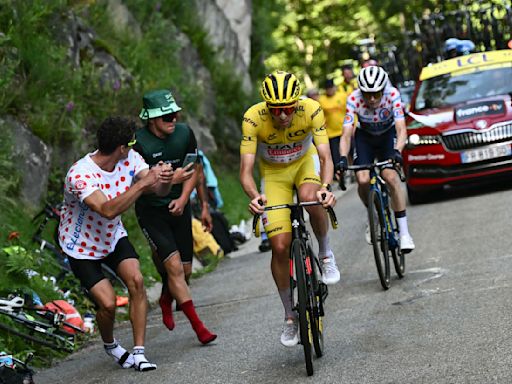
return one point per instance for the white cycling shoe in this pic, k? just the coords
(330, 272)
(290, 335)
(406, 243)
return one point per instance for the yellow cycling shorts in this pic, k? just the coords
(277, 182)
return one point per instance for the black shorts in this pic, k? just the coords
(89, 271)
(369, 147)
(167, 233)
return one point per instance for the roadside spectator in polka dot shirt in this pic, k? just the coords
(98, 188)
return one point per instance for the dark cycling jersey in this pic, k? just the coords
(171, 149)
(375, 121)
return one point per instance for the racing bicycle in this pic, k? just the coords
(308, 292)
(383, 224)
(48, 330)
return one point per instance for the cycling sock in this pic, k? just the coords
(287, 303)
(119, 354)
(141, 363)
(166, 306)
(203, 334)
(323, 245)
(401, 219)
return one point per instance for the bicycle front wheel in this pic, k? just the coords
(378, 235)
(318, 293)
(299, 256)
(396, 253)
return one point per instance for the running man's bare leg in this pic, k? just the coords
(129, 271)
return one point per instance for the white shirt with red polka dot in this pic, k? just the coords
(378, 120)
(83, 233)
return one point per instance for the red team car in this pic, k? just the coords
(460, 123)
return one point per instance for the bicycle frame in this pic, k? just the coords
(378, 184)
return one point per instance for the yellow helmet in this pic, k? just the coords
(280, 88)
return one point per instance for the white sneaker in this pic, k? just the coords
(368, 235)
(290, 335)
(330, 272)
(406, 243)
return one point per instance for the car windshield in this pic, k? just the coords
(447, 90)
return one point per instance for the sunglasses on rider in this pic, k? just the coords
(170, 117)
(277, 111)
(375, 95)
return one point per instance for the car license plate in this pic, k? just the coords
(485, 153)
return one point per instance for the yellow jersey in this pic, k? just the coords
(334, 110)
(283, 145)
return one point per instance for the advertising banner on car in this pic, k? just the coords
(483, 108)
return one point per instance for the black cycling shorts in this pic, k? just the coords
(369, 147)
(167, 233)
(89, 271)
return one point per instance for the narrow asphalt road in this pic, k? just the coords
(447, 321)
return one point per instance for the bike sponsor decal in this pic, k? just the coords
(483, 108)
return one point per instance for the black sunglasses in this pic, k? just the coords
(170, 117)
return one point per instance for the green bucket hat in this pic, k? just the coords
(158, 103)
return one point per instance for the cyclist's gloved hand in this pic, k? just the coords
(398, 157)
(343, 164)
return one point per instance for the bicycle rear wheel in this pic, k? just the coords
(378, 235)
(318, 292)
(299, 252)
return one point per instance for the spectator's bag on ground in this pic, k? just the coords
(204, 243)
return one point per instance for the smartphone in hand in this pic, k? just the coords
(189, 158)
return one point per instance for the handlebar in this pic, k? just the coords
(379, 164)
(330, 211)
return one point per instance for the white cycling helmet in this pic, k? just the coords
(372, 79)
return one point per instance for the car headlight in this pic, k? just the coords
(415, 140)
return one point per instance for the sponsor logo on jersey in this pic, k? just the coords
(384, 114)
(300, 132)
(316, 113)
(249, 121)
(274, 230)
(80, 184)
(78, 226)
(284, 149)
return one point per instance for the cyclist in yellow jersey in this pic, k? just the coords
(289, 136)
